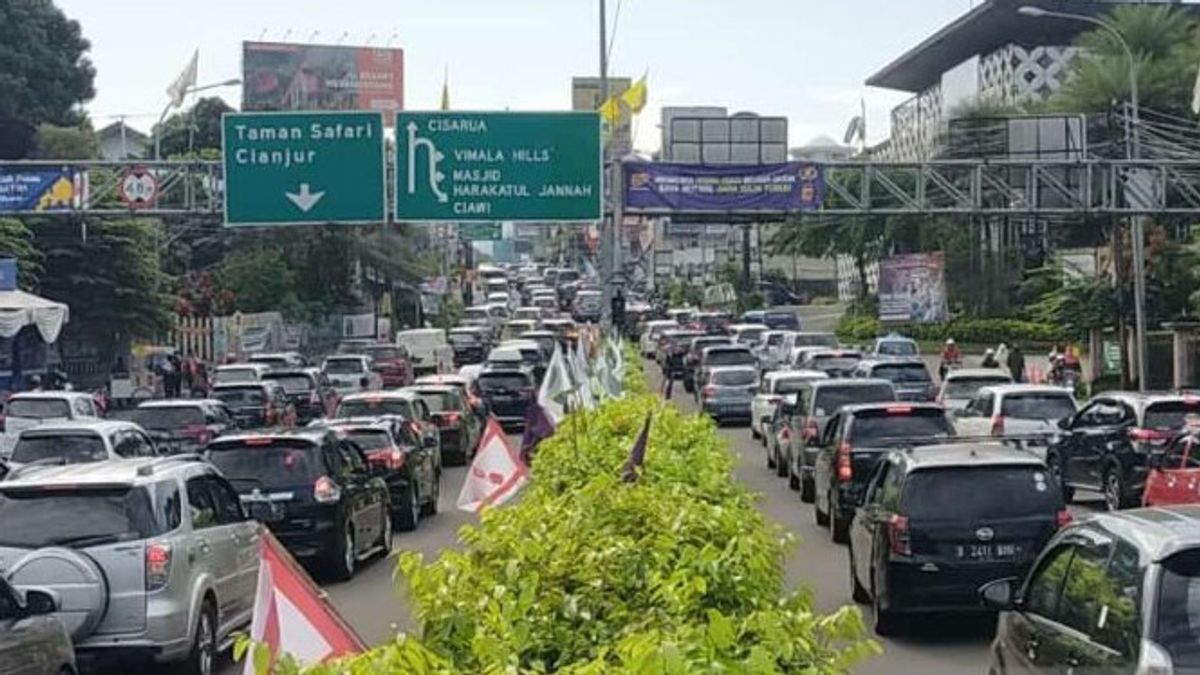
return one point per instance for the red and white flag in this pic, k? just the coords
(496, 474)
(292, 616)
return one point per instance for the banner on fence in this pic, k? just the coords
(755, 188)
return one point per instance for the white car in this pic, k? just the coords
(33, 408)
(649, 340)
(1015, 410)
(428, 348)
(959, 386)
(770, 349)
(747, 333)
(771, 390)
(351, 373)
(82, 442)
(240, 373)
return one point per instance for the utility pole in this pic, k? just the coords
(606, 221)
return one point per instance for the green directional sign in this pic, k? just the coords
(298, 168)
(481, 231)
(462, 166)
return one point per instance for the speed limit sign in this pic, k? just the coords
(138, 188)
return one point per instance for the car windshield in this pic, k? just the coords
(37, 409)
(440, 401)
(465, 339)
(1170, 414)
(1037, 406)
(734, 378)
(967, 387)
(503, 382)
(236, 375)
(731, 357)
(750, 336)
(903, 373)
(774, 339)
(897, 348)
(363, 407)
(76, 517)
(235, 397)
(266, 463)
(384, 352)
(1177, 628)
(700, 345)
(981, 493)
(829, 399)
(70, 448)
(790, 385)
(167, 419)
(294, 384)
(343, 367)
(834, 363)
(818, 340)
(272, 362)
(370, 439)
(899, 422)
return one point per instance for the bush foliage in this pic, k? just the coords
(967, 330)
(677, 572)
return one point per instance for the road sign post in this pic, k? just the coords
(304, 168)
(458, 166)
(480, 231)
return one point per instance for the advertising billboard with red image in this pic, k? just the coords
(286, 76)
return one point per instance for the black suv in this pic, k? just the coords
(854, 441)
(309, 391)
(314, 490)
(1105, 446)
(938, 522)
(910, 377)
(507, 392)
(1112, 594)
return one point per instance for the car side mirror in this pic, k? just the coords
(998, 594)
(364, 382)
(1065, 423)
(39, 603)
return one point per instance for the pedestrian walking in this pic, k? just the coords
(1016, 363)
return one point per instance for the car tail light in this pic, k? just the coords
(845, 470)
(810, 429)
(998, 425)
(1148, 435)
(326, 491)
(708, 391)
(1063, 518)
(899, 409)
(158, 566)
(449, 419)
(392, 458)
(785, 435)
(899, 537)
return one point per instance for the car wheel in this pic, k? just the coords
(1114, 491)
(885, 620)
(793, 479)
(203, 654)
(754, 435)
(408, 511)
(430, 508)
(385, 537)
(822, 518)
(839, 529)
(857, 591)
(770, 457)
(807, 490)
(781, 467)
(1056, 475)
(343, 560)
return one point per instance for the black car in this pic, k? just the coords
(457, 423)
(256, 404)
(935, 523)
(507, 393)
(816, 402)
(309, 391)
(470, 344)
(314, 490)
(1112, 594)
(854, 441)
(691, 359)
(412, 471)
(1105, 446)
(183, 425)
(910, 377)
(781, 320)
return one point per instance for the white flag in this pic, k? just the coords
(186, 80)
(556, 388)
(579, 372)
(496, 474)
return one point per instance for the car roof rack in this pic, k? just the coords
(148, 468)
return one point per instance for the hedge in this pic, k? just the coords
(965, 330)
(584, 574)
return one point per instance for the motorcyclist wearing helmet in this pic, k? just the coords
(951, 357)
(989, 359)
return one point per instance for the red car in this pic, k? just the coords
(1174, 476)
(392, 363)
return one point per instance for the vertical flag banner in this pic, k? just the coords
(495, 475)
(186, 80)
(637, 455)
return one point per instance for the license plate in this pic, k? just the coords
(266, 512)
(987, 551)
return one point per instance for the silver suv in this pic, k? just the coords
(150, 558)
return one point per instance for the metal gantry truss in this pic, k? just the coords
(969, 187)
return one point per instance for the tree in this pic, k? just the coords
(260, 280)
(45, 75)
(16, 241)
(194, 130)
(78, 142)
(1162, 39)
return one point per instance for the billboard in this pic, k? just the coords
(733, 188)
(585, 97)
(285, 76)
(912, 288)
(41, 188)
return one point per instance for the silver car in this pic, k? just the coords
(32, 640)
(147, 558)
(728, 392)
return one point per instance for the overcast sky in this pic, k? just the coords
(805, 59)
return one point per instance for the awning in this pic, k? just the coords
(19, 309)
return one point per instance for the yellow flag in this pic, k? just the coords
(635, 96)
(611, 111)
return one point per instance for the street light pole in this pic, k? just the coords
(1133, 151)
(170, 104)
(606, 224)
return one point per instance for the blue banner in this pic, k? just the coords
(8, 274)
(724, 188)
(39, 188)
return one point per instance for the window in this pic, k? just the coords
(77, 448)
(1177, 627)
(980, 406)
(72, 516)
(1037, 406)
(875, 490)
(352, 456)
(890, 491)
(1085, 586)
(166, 505)
(83, 408)
(1118, 624)
(9, 609)
(981, 493)
(269, 464)
(1102, 413)
(132, 444)
(200, 503)
(226, 500)
(1045, 586)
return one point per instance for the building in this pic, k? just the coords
(821, 149)
(119, 141)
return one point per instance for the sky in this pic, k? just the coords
(802, 59)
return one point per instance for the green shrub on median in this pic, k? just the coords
(587, 574)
